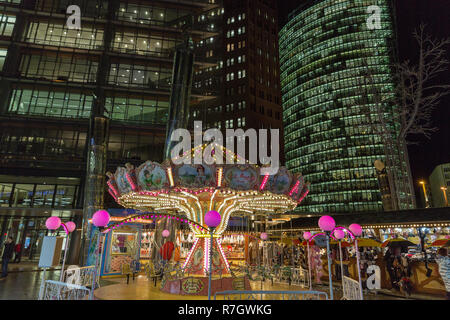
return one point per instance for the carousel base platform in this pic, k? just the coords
(198, 285)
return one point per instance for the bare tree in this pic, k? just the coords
(413, 101)
(418, 97)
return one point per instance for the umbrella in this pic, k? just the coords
(396, 242)
(439, 243)
(344, 244)
(304, 243)
(447, 244)
(365, 242)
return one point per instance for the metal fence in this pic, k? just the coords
(351, 289)
(56, 290)
(290, 275)
(271, 295)
(81, 276)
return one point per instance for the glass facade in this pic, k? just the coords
(38, 192)
(326, 50)
(128, 46)
(119, 64)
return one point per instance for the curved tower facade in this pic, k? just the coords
(331, 66)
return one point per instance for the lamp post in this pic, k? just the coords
(69, 227)
(424, 193)
(357, 232)
(327, 224)
(100, 219)
(212, 220)
(52, 224)
(339, 235)
(444, 191)
(264, 236)
(307, 235)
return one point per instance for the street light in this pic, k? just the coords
(100, 219)
(357, 232)
(424, 193)
(69, 227)
(339, 235)
(212, 220)
(444, 191)
(327, 224)
(52, 224)
(307, 235)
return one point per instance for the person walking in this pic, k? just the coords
(18, 253)
(7, 255)
(443, 261)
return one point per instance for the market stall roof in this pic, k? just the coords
(366, 242)
(397, 242)
(430, 217)
(344, 244)
(439, 243)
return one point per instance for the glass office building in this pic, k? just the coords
(52, 78)
(326, 51)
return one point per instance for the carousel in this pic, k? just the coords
(186, 192)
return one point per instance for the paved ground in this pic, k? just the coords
(24, 285)
(24, 280)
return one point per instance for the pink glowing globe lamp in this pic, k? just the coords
(71, 226)
(327, 223)
(53, 223)
(212, 219)
(339, 234)
(264, 236)
(101, 218)
(307, 235)
(165, 233)
(355, 229)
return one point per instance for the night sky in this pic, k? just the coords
(426, 155)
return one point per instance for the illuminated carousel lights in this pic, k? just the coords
(206, 257)
(169, 174)
(219, 243)
(190, 253)
(207, 235)
(295, 188)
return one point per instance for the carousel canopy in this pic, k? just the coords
(193, 189)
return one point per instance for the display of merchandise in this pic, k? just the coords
(233, 246)
(147, 239)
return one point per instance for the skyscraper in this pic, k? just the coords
(331, 65)
(247, 86)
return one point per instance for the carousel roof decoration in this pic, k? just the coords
(178, 189)
(191, 190)
(147, 218)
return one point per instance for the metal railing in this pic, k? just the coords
(292, 276)
(56, 290)
(351, 289)
(81, 276)
(271, 295)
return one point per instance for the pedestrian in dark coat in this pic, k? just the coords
(7, 255)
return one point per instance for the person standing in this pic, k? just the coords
(443, 261)
(18, 253)
(7, 255)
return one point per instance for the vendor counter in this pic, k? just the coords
(421, 283)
